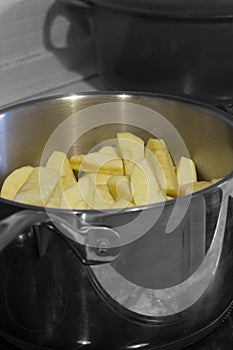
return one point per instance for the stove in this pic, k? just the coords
(220, 339)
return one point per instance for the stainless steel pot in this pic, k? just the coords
(61, 289)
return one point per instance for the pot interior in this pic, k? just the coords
(25, 130)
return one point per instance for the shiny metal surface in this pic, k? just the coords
(90, 240)
(208, 137)
(91, 298)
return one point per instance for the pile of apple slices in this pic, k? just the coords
(129, 174)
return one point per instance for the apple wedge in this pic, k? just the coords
(14, 181)
(112, 151)
(186, 171)
(76, 161)
(55, 198)
(159, 150)
(131, 149)
(213, 181)
(194, 187)
(156, 168)
(102, 199)
(144, 185)
(101, 163)
(122, 203)
(98, 179)
(119, 187)
(72, 198)
(38, 187)
(59, 162)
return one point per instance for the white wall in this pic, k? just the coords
(27, 65)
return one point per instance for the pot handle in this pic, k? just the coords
(61, 8)
(96, 244)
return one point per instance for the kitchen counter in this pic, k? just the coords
(92, 83)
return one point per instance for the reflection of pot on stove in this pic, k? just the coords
(70, 293)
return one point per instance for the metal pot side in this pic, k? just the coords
(61, 301)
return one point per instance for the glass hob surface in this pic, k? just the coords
(220, 339)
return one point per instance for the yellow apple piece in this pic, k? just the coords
(38, 187)
(14, 181)
(98, 179)
(186, 171)
(156, 168)
(194, 187)
(103, 187)
(119, 187)
(131, 149)
(122, 203)
(102, 199)
(94, 191)
(213, 181)
(79, 196)
(144, 186)
(59, 162)
(159, 150)
(101, 163)
(76, 161)
(72, 198)
(87, 189)
(112, 151)
(55, 198)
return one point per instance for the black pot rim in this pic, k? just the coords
(179, 9)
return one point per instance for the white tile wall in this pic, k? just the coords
(27, 67)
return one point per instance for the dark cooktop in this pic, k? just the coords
(220, 339)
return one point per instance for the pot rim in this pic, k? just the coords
(176, 9)
(194, 103)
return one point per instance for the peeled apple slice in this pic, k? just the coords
(131, 149)
(194, 187)
(119, 187)
(38, 187)
(14, 181)
(99, 179)
(76, 161)
(144, 186)
(102, 199)
(109, 150)
(100, 163)
(122, 203)
(103, 187)
(72, 198)
(55, 198)
(156, 168)
(186, 171)
(59, 162)
(159, 150)
(87, 190)
(213, 181)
